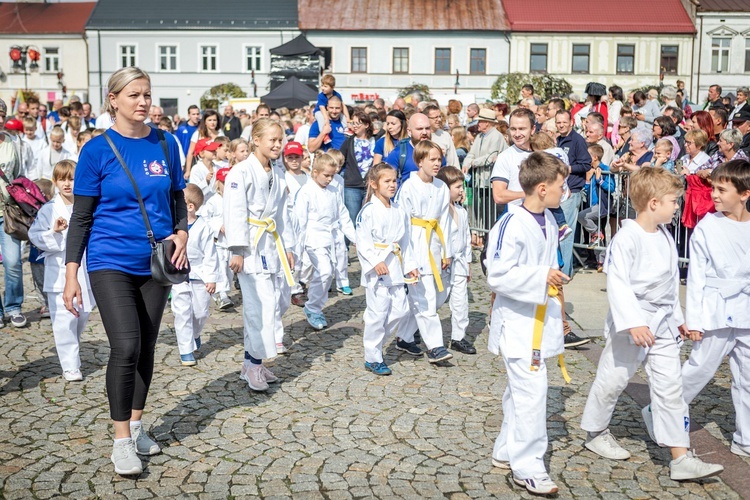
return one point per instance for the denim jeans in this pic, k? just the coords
(353, 199)
(570, 209)
(11, 250)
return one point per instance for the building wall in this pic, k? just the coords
(189, 82)
(736, 27)
(603, 57)
(72, 59)
(379, 78)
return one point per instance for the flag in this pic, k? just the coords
(19, 100)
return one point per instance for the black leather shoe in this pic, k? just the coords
(463, 346)
(573, 340)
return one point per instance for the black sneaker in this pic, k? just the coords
(463, 346)
(408, 347)
(18, 320)
(438, 354)
(573, 340)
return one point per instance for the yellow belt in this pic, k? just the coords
(536, 343)
(269, 226)
(429, 226)
(396, 250)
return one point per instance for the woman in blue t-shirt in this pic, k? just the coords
(395, 130)
(107, 222)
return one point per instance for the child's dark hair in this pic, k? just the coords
(538, 168)
(46, 187)
(595, 150)
(450, 175)
(373, 177)
(735, 171)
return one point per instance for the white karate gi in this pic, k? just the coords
(294, 183)
(387, 305)
(190, 300)
(643, 289)
(198, 174)
(718, 304)
(43, 165)
(65, 326)
(458, 274)
(341, 270)
(213, 212)
(519, 258)
(317, 211)
(426, 200)
(251, 192)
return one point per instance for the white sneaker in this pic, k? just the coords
(541, 484)
(268, 375)
(740, 450)
(501, 464)
(688, 467)
(73, 375)
(254, 378)
(648, 419)
(124, 457)
(144, 445)
(280, 349)
(605, 445)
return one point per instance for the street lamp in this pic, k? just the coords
(20, 55)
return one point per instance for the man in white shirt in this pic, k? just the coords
(440, 136)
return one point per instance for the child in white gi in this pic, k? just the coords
(256, 224)
(295, 179)
(49, 156)
(203, 172)
(645, 327)
(426, 199)
(458, 275)
(191, 300)
(341, 271)
(222, 152)
(384, 250)
(526, 326)
(213, 211)
(317, 209)
(49, 232)
(718, 295)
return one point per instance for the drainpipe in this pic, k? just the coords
(700, 52)
(99, 43)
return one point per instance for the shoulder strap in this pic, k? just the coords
(149, 232)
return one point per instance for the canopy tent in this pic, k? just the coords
(299, 46)
(292, 94)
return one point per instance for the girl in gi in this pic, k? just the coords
(384, 250)
(295, 179)
(48, 233)
(318, 208)
(426, 199)
(239, 150)
(341, 248)
(203, 173)
(258, 232)
(718, 295)
(213, 211)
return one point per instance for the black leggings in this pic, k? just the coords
(131, 308)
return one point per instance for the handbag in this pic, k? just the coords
(20, 206)
(163, 272)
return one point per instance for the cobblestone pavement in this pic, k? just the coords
(329, 430)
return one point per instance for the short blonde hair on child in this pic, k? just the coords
(539, 168)
(57, 132)
(64, 169)
(324, 161)
(46, 187)
(29, 123)
(194, 195)
(664, 143)
(328, 79)
(222, 140)
(596, 151)
(650, 183)
(338, 156)
(422, 150)
(540, 142)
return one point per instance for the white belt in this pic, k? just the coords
(728, 287)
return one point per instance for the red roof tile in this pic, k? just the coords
(724, 6)
(587, 16)
(427, 15)
(38, 18)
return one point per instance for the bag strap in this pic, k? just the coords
(149, 232)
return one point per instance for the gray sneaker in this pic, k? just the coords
(689, 467)
(144, 445)
(254, 378)
(605, 445)
(126, 461)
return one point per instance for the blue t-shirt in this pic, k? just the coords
(118, 238)
(184, 134)
(379, 147)
(409, 165)
(337, 135)
(323, 100)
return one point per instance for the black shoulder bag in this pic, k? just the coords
(163, 271)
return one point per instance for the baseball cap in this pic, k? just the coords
(742, 115)
(14, 124)
(221, 174)
(206, 144)
(293, 148)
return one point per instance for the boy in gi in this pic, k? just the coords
(526, 325)
(203, 172)
(213, 211)
(645, 327)
(295, 179)
(718, 295)
(341, 273)
(191, 299)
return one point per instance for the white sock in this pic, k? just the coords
(121, 440)
(134, 423)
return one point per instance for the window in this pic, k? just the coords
(253, 58)
(625, 58)
(747, 55)
(51, 59)
(442, 61)
(581, 58)
(538, 58)
(478, 61)
(720, 54)
(169, 105)
(359, 60)
(669, 59)
(127, 56)
(209, 60)
(167, 55)
(400, 60)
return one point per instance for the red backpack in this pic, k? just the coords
(21, 206)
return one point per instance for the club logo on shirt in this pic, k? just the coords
(155, 168)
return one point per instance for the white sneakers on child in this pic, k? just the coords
(73, 375)
(740, 450)
(541, 484)
(689, 467)
(254, 377)
(125, 459)
(605, 445)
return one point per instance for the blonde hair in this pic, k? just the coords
(338, 156)
(64, 169)
(664, 143)
(119, 80)
(57, 131)
(540, 142)
(194, 195)
(373, 177)
(262, 126)
(698, 136)
(458, 133)
(46, 187)
(328, 79)
(422, 150)
(653, 182)
(222, 140)
(323, 161)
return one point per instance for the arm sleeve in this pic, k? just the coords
(346, 221)
(580, 161)
(79, 228)
(180, 209)
(696, 280)
(368, 255)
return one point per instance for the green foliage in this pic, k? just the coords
(508, 87)
(416, 87)
(220, 93)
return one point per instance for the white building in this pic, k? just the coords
(722, 47)
(187, 47)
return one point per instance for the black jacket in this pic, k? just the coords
(350, 172)
(232, 127)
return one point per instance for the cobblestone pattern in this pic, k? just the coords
(329, 430)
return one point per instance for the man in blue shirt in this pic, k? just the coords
(186, 130)
(419, 130)
(334, 129)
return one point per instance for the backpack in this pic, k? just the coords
(403, 152)
(21, 205)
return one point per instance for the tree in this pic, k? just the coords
(508, 87)
(220, 93)
(418, 88)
